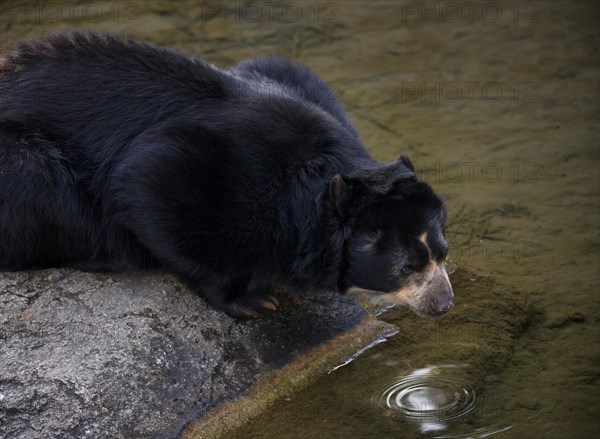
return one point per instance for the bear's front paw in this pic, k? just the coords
(252, 306)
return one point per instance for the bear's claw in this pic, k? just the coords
(252, 306)
(270, 302)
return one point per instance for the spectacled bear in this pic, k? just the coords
(119, 155)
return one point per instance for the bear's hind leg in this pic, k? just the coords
(44, 219)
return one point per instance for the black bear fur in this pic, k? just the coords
(116, 154)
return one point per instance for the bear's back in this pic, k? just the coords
(63, 82)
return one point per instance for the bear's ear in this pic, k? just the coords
(339, 194)
(406, 162)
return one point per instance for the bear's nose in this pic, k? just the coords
(441, 305)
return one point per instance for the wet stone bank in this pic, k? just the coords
(116, 356)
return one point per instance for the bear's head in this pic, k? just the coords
(395, 246)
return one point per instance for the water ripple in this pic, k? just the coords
(433, 397)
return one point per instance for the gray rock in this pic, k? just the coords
(122, 356)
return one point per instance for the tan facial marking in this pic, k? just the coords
(412, 293)
(403, 296)
(423, 239)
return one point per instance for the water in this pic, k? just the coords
(429, 380)
(431, 397)
(498, 106)
(436, 399)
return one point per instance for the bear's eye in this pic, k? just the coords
(406, 270)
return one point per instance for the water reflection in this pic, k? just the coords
(434, 398)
